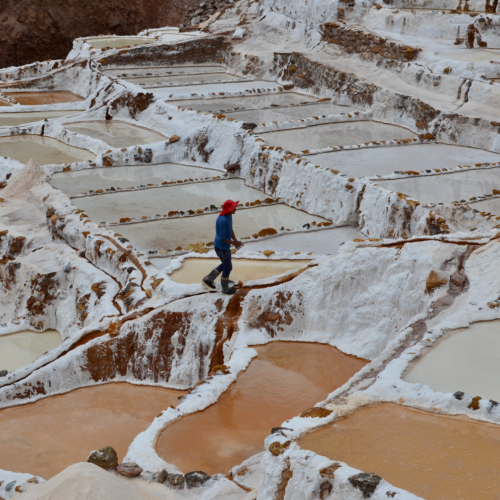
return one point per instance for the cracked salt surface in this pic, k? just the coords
(22, 348)
(116, 134)
(13, 119)
(462, 360)
(37, 98)
(111, 207)
(44, 150)
(438, 457)
(82, 181)
(171, 233)
(335, 134)
(417, 157)
(447, 188)
(285, 379)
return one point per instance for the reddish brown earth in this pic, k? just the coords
(37, 30)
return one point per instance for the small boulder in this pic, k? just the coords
(106, 458)
(3, 373)
(129, 469)
(196, 478)
(176, 480)
(367, 483)
(162, 476)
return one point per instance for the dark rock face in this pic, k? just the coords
(367, 483)
(129, 469)
(106, 458)
(196, 478)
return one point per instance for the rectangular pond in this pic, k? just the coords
(386, 160)
(45, 437)
(159, 201)
(437, 457)
(44, 97)
(82, 181)
(173, 233)
(163, 70)
(224, 104)
(183, 79)
(335, 134)
(446, 188)
(285, 379)
(116, 134)
(117, 42)
(492, 206)
(44, 150)
(14, 119)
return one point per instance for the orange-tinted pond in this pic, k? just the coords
(285, 379)
(437, 457)
(35, 98)
(45, 437)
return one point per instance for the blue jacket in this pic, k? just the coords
(223, 231)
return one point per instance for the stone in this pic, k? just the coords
(367, 483)
(10, 485)
(277, 448)
(475, 403)
(196, 478)
(106, 458)
(162, 476)
(436, 279)
(174, 138)
(459, 395)
(268, 253)
(316, 412)
(329, 472)
(129, 469)
(3, 373)
(176, 480)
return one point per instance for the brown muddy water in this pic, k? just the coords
(45, 437)
(437, 457)
(36, 98)
(285, 379)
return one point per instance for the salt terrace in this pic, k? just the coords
(356, 358)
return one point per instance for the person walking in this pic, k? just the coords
(224, 238)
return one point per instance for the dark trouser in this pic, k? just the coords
(225, 257)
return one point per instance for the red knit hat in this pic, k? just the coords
(228, 206)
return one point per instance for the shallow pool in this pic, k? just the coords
(44, 150)
(471, 55)
(82, 181)
(117, 42)
(13, 119)
(335, 134)
(116, 134)
(164, 70)
(437, 457)
(183, 79)
(285, 379)
(38, 98)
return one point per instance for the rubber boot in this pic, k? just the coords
(226, 288)
(209, 279)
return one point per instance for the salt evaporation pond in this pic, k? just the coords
(447, 187)
(163, 70)
(22, 348)
(193, 270)
(112, 207)
(216, 88)
(45, 437)
(44, 150)
(82, 181)
(116, 134)
(289, 113)
(386, 160)
(117, 42)
(44, 97)
(492, 205)
(473, 56)
(436, 457)
(462, 360)
(183, 79)
(13, 119)
(285, 379)
(170, 234)
(217, 105)
(335, 134)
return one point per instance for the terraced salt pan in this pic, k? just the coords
(112, 207)
(447, 188)
(171, 233)
(4, 103)
(215, 88)
(285, 379)
(44, 150)
(116, 134)
(183, 79)
(463, 360)
(335, 134)
(418, 157)
(435, 456)
(162, 70)
(117, 42)
(45, 437)
(289, 113)
(37, 98)
(193, 270)
(471, 55)
(83, 181)
(13, 119)
(245, 102)
(22, 348)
